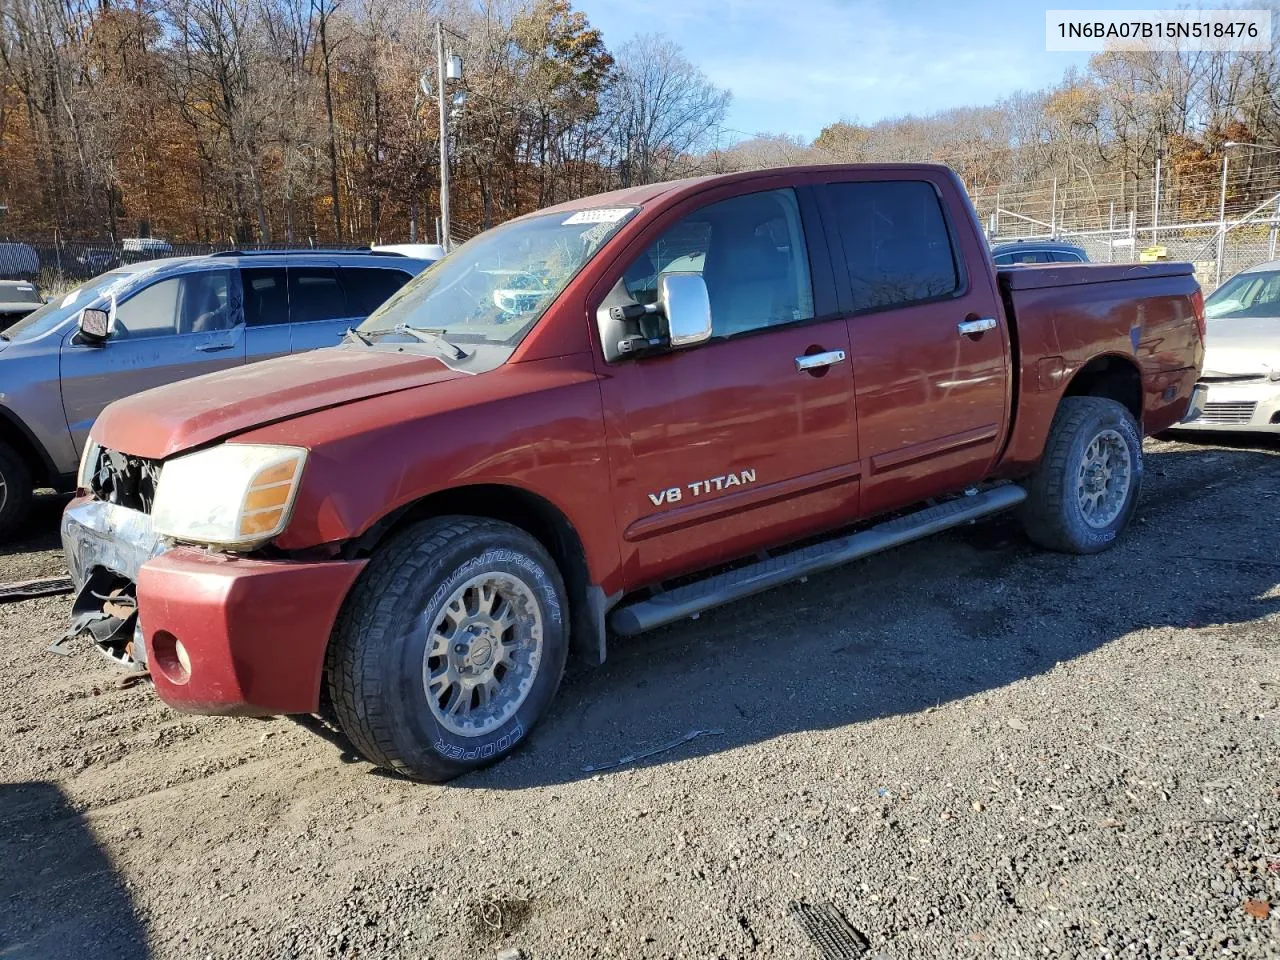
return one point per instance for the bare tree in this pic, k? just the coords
(663, 109)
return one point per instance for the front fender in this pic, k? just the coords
(536, 427)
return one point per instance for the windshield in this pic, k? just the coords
(1246, 295)
(60, 307)
(494, 288)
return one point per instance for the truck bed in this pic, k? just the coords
(1137, 316)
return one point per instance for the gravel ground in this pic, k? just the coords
(970, 747)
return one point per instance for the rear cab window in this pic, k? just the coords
(898, 249)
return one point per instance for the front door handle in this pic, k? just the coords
(816, 361)
(214, 347)
(969, 328)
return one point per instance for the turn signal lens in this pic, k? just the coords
(270, 492)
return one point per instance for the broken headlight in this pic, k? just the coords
(236, 495)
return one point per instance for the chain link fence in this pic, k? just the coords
(1217, 254)
(1222, 219)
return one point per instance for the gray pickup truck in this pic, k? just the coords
(167, 320)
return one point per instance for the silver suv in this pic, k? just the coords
(169, 319)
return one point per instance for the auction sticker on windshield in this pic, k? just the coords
(602, 215)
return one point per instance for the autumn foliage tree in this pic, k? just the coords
(292, 121)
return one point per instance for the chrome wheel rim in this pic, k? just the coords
(1102, 483)
(483, 652)
(4, 491)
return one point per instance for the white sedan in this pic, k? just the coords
(1242, 353)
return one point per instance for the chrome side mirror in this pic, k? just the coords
(683, 300)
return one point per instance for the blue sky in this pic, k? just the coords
(796, 65)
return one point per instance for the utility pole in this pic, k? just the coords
(1155, 214)
(1275, 220)
(444, 138)
(1111, 233)
(447, 68)
(1222, 221)
(1053, 212)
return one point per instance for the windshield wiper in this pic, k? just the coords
(351, 333)
(433, 337)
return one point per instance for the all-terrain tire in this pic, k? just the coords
(378, 657)
(15, 491)
(1052, 514)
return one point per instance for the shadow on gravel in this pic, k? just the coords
(938, 620)
(61, 897)
(40, 530)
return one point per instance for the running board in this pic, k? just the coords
(693, 598)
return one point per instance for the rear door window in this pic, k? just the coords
(266, 297)
(206, 302)
(1066, 256)
(368, 288)
(896, 243)
(316, 294)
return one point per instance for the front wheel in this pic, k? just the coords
(1087, 486)
(450, 647)
(15, 491)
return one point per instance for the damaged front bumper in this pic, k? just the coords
(220, 633)
(106, 545)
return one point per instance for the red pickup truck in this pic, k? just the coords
(608, 416)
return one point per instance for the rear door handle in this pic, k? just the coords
(968, 328)
(816, 361)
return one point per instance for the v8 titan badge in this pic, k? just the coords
(700, 488)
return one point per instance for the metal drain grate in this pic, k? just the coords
(831, 933)
(26, 589)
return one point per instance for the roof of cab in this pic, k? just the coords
(640, 196)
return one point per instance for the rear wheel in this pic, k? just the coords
(15, 491)
(450, 647)
(1086, 489)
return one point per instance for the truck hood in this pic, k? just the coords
(180, 416)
